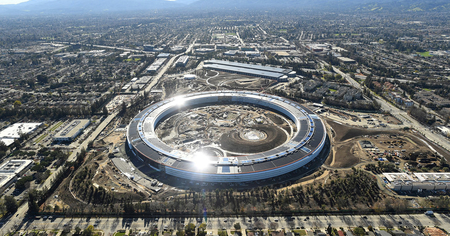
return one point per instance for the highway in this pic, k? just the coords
(156, 79)
(349, 79)
(111, 225)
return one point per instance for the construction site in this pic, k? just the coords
(226, 130)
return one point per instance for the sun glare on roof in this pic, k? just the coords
(200, 160)
(179, 101)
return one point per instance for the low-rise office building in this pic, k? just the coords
(70, 132)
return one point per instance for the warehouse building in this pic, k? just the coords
(11, 170)
(346, 60)
(417, 181)
(70, 132)
(156, 65)
(15, 167)
(189, 77)
(6, 180)
(149, 47)
(14, 131)
(248, 69)
(182, 61)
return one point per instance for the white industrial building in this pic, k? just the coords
(391, 177)
(6, 180)
(418, 181)
(250, 69)
(11, 170)
(438, 177)
(16, 167)
(182, 61)
(14, 131)
(70, 132)
(189, 77)
(156, 65)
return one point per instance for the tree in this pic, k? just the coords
(33, 207)
(105, 111)
(11, 204)
(16, 144)
(443, 162)
(202, 229)
(123, 109)
(237, 226)
(329, 229)
(359, 231)
(190, 229)
(89, 231)
(43, 79)
(222, 233)
(3, 146)
(17, 104)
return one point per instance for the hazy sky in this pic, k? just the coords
(4, 2)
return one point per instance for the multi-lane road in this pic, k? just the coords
(111, 225)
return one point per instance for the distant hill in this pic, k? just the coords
(98, 6)
(327, 5)
(281, 4)
(89, 6)
(408, 6)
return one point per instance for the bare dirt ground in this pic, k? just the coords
(346, 155)
(347, 151)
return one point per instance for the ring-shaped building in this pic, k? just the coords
(302, 147)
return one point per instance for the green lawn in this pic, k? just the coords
(425, 54)
(119, 234)
(332, 90)
(38, 140)
(283, 30)
(427, 89)
(56, 126)
(299, 231)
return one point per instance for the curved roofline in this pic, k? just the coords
(146, 121)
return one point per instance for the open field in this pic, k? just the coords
(425, 54)
(400, 146)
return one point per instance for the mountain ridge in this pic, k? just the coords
(99, 6)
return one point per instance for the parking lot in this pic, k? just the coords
(111, 225)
